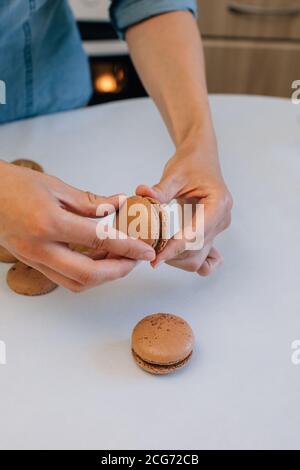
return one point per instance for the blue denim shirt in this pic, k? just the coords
(42, 62)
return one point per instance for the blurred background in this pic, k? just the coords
(251, 47)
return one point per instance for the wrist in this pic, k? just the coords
(196, 124)
(199, 142)
(199, 130)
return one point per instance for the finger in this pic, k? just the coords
(101, 254)
(146, 191)
(81, 268)
(97, 255)
(173, 249)
(191, 262)
(166, 190)
(213, 219)
(197, 230)
(116, 268)
(212, 262)
(85, 202)
(60, 280)
(55, 276)
(111, 270)
(183, 241)
(59, 258)
(76, 229)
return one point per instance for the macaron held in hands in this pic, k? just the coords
(144, 218)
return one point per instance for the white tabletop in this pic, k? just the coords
(70, 381)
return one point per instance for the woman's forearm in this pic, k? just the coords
(168, 56)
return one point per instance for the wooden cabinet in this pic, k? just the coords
(251, 46)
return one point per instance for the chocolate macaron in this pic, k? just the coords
(144, 218)
(28, 164)
(162, 343)
(25, 280)
(6, 256)
(82, 249)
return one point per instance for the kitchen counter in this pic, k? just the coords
(70, 381)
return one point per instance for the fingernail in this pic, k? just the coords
(148, 255)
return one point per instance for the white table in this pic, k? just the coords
(70, 381)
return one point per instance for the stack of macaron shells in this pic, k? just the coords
(153, 218)
(162, 343)
(23, 279)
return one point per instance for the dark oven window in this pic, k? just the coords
(114, 78)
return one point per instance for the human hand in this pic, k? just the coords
(40, 216)
(193, 175)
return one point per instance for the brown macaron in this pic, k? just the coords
(144, 218)
(89, 252)
(28, 164)
(82, 249)
(25, 280)
(6, 256)
(162, 343)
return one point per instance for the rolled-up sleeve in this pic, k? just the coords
(125, 13)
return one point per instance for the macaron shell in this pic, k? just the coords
(159, 369)
(6, 256)
(28, 164)
(123, 219)
(164, 225)
(89, 252)
(162, 339)
(161, 245)
(25, 280)
(79, 248)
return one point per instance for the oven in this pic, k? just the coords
(113, 74)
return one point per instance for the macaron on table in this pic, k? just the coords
(70, 379)
(162, 343)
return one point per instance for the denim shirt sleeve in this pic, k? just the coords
(125, 13)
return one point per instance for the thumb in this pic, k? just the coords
(164, 191)
(89, 204)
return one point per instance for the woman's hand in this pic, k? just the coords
(40, 215)
(193, 175)
(174, 76)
